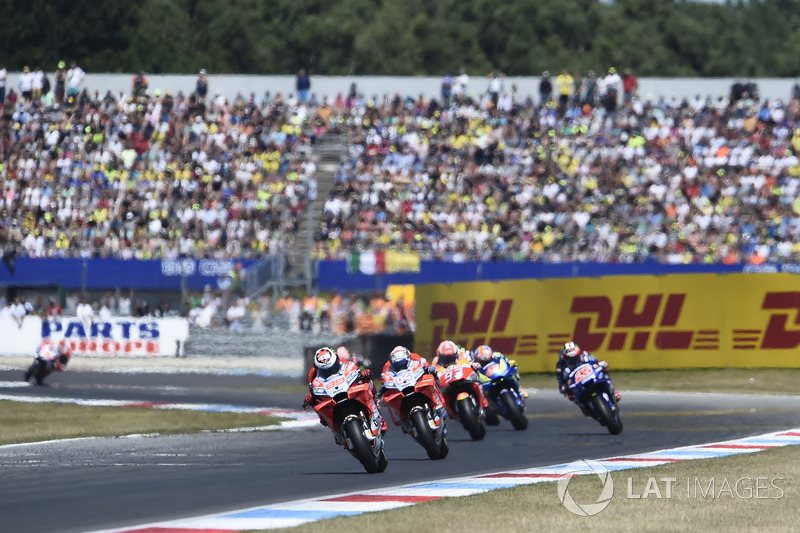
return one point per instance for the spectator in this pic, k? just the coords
(446, 90)
(545, 88)
(139, 85)
(37, 83)
(105, 313)
(303, 85)
(3, 78)
(75, 77)
(201, 87)
(54, 308)
(18, 312)
(26, 83)
(235, 315)
(565, 83)
(630, 84)
(461, 87)
(85, 312)
(495, 86)
(61, 79)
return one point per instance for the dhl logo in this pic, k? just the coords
(636, 321)
(475, 326)
(775, 336)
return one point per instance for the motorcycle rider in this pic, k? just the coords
(55, 357)
(449, 353)
(571, 357)
(400, 359)
(327, 363)
(486, 357)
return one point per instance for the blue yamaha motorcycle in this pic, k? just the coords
(592, 388)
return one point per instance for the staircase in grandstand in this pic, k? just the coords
(329, 152)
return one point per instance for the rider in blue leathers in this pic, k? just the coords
(487, 358)
(571, 358)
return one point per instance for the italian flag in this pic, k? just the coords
(382, 262)
(367, 262)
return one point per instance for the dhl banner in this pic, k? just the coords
(633, 322)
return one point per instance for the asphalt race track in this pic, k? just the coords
(90, 484)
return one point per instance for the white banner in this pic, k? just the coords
(124, 336)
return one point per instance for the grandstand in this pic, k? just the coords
(281, 185)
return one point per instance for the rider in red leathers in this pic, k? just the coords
(327, 363)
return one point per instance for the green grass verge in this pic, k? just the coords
(693, 504)
(32, 422)
(727, 380)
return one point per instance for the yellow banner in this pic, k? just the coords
(633, 322)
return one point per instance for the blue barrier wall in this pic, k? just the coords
(101, 274)
(333, 275)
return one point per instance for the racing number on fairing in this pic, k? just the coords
(582, 373)
(453, 373)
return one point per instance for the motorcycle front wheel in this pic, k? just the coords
(424, 434)
(469, 418)
(360, 446)
(515, 414)
(611, 418)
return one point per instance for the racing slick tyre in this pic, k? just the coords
(610, 418)
(492, 417)
(425, 436)
(469, 418)
(354, 429)
(515, 414)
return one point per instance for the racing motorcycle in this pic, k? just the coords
(592, 388)
(349, 409)
(416, 405)
(43, 367)
(501, 387)
(464, 398)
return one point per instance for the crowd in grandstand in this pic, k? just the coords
(592, 171)
(589, 169)
(150, 174)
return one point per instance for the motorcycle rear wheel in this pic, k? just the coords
(354, 429)
(492, 417)
(515, 414)
(469, 418)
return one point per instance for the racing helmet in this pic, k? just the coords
(570, 350)
(326, 361)
(447, 352)
(399, 358)
(484, 354)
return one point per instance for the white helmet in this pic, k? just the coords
(399, 358)
(570, 350)
(326, 360)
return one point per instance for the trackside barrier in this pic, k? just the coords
(635, 322)
(122, 336)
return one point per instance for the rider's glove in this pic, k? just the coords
(431, 370)
(365, 373)
(307, 400)
(562, 389)
(475, 365)
(512, 362)
(603, 364)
